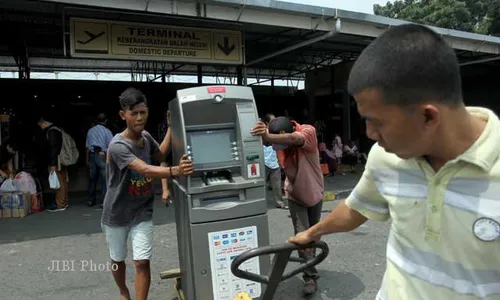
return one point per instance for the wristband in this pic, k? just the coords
(170, 170)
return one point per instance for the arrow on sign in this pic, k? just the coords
(226, 48)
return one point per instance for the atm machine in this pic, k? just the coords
(220, 209)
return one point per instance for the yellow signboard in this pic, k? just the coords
(133, 41)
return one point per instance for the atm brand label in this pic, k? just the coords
(216, 89)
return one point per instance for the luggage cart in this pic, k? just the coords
(282, 255)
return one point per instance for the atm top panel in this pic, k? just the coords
(215, 92)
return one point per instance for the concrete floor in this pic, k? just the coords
(353, 269)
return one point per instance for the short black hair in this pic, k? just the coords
(280, 125)
(101, 118)
(132, 97)
(409, 64)
(267, 117)
(44, 114)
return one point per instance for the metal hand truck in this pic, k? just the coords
(282, 255)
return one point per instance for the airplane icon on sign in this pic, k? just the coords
(91, 37)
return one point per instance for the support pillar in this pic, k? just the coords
(200, 74)
(239, 71)
(346, 116)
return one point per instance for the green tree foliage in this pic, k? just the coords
(479, 16)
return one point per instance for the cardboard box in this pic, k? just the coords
(15, 205)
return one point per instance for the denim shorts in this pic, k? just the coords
(141, 236)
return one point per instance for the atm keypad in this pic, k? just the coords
(235, 151)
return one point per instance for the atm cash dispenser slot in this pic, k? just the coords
(218, 203)
(218, 200)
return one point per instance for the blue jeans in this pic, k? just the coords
(97, 168)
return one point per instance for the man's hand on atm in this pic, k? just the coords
(259, 129)
(185, 166)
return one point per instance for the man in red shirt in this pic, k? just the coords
(299, 145)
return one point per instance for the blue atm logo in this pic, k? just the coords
(225, 242)
(217, 237)
(224, 236)
(233, 235)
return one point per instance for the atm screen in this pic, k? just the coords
(211, 146)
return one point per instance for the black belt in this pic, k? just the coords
(97, 149)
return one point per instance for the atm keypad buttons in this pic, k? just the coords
(234, 149)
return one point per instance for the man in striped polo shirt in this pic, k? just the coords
(98, 139)
(435, 171)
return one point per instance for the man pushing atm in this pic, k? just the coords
(299, 144)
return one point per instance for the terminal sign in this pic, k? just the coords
(131, 41)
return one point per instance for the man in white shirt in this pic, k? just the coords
(273, 175)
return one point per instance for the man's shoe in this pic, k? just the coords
(310, 287)
(57, 209)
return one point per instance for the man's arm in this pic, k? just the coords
(164, 146)
(124, 158)
(109, 137)
(87, 149)
(341, 219)
(291, 139)
(164, 184)
(151, 171)
(55, 144)
(10, 166)
(305, 138)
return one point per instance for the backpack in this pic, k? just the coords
(69, 153)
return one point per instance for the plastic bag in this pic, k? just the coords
(25, 183)
(8, 186)
(54, 181)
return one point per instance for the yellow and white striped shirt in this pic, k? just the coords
(444, 241)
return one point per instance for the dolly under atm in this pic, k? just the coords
(221, 208)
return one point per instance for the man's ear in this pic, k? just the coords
(122, 114)
(431, 115)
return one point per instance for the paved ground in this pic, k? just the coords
(28, 246)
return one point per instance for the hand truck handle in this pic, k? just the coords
(288, 247)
